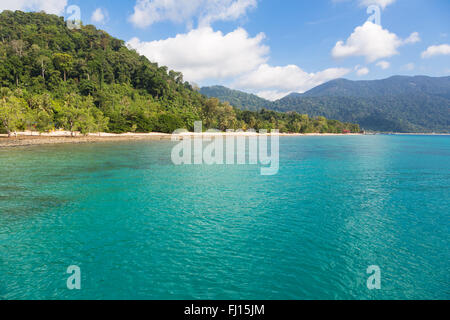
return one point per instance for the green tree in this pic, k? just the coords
(12, 111)
(100, 121)
(63, 62)
(88, 81)
(18, 46)
(71, 114)
(41, 115)
(43, 62)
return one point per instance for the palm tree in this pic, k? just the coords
(11, 110)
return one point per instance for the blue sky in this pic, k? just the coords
(270, 47)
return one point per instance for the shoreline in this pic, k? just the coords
(61, 137)
(27, 139)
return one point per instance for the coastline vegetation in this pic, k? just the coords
(52, 77)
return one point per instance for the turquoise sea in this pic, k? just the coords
(141, 228)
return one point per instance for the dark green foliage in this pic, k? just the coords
(397, 104)
(169, 123)
(239, 99)
(84, 80)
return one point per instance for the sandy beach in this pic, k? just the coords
(25, 140)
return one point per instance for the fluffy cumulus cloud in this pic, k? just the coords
(362, 71)
(204, 54)
(148, 12)
(372, 42)
(49, 6)
(382, 3)
(207, 54)
(443, 49)
(275, 82)
(99, 15)
(384, 65)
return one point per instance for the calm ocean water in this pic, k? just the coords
(142, 228)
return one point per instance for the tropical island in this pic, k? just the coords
(83, 80)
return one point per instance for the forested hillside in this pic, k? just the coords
(393, 86)
(236, 98)
(84, 80)
(396, 104)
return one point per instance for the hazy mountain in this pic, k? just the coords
(396, 85)
(397, 104)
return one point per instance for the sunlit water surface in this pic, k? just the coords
(141, 228)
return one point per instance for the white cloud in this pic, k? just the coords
(372, 42)
(204, 54)
(443, 49)
(382, 3)
(148, 12)
(272, 95)
(413, 38)
(99, 15)
(49, 6)
(409, 66)
(207, 54)
(275, 82)
(362, 71)
(384, 65)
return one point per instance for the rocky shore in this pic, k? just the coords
(29, 140)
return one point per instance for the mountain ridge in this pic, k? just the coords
(395, 104)
(239, 99)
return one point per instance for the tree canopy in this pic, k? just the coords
(53, 77)
(396, 104)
